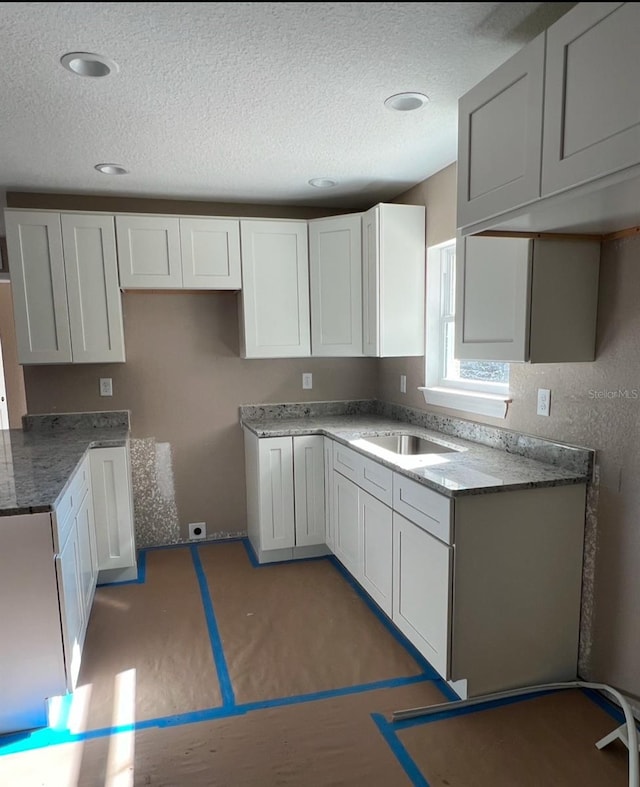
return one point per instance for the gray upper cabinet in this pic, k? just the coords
(592, 95)
(541, 137)
(525, 299)
(500, 137)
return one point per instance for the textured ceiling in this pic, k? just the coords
(244, 102)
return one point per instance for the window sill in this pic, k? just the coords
(494, 405)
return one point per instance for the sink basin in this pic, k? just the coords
(407, 445)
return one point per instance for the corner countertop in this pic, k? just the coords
(37, 465)
(471, 469)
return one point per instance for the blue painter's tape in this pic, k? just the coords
(397, 747)
(228, 696)
(13, 743)
(253, 558)
(332, 693)
(392, 629)
(142, 573)
(607, 705)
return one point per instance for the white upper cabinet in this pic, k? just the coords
(592, 95)
(520, 299)
(550, 141)
(335, 261)
(500, 137)
(149, 251)
(93, 294)
(393, 285)
(275, 290)
(65, 287)
(210, 254)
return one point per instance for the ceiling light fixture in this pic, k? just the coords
(111, 169)
(88, 64)
(322, 183)
(405, 102)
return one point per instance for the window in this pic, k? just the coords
(474, 386)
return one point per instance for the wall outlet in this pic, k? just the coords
(197, 531)
(544, 401)
(106, 386)
(307, 380)
(403, 383)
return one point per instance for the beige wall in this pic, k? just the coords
(183, 382)
(13, 378)
(610, 425)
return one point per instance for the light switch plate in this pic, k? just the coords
(544, 401)
(403, 383)
(106, 386)
(307, 380)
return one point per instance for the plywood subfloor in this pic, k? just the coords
(215, 672)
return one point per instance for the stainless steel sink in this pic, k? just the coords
(406, 444)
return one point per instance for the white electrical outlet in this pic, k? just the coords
(307, 380)
(403, 383)
(197, 531)
(544, 401)
(106, 386)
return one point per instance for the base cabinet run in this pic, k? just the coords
(487, 587)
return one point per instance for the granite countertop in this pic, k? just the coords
(472, 468)
(36, 464)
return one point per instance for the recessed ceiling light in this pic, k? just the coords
(405, 102)
(88, 64)
(322, 183)
(111, 169)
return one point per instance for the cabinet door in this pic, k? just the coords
(592, 95)
(111, 484)
(149, 252)
(210, 254)
(68, 567)
(95, 307)
(492, 298)
(500, 138)
(328, 493)
(275, 289)
(346, 517)
(422, 581)
(370, 281)
(308, 476)
(277, 520)
(376, 534)
(85, 526)
(335, 263)
(36, 262)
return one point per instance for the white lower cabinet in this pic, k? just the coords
(466, 579)
(113, 508)
(285, 496)
(347, 542)
(375, 520)
(329, 527)
(363, 538)
(422, 571)
(70, 573)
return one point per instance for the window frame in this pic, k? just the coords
(484, 398)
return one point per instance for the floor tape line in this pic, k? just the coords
(391, 628)
(226, 687)
(140, 579)
(19, 742)
(397, 747)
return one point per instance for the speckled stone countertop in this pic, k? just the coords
(37, 464)
(472, 468)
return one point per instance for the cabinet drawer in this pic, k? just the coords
(426, 508)
(376, 479)
(69, 504)
(347, 462)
